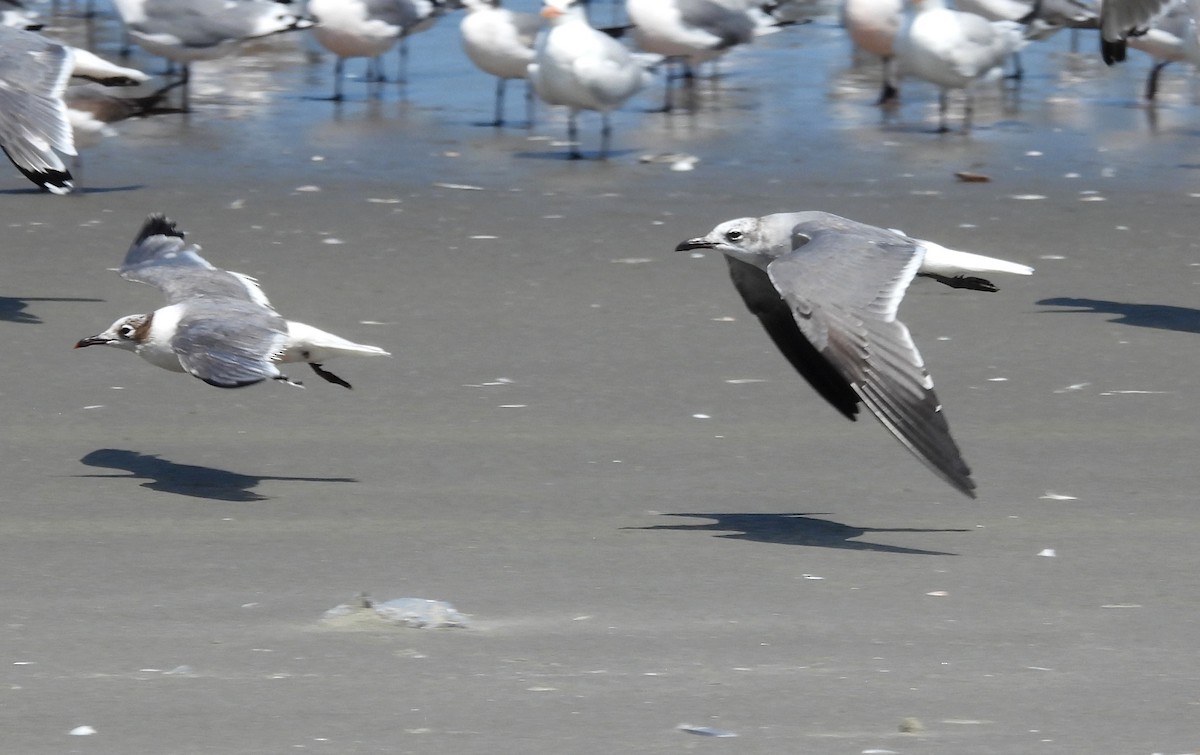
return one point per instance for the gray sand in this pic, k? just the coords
(587, 444)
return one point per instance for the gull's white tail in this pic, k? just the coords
(308, 344)
(951, 263)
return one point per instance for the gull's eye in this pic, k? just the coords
(126, 331)
(734, 236)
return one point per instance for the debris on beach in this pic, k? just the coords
(677, 160)
(414, 613)
(967, 176)
(706, 731)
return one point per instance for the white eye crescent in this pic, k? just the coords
(733, 236)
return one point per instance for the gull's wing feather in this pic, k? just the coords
(764, 301)
(843, 287)
(33, 76)
(229, 343)
(160, 256)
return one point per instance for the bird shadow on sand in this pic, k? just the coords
(12, 308)
(1160, 316)
(77, 192)
(187, 479)
(796, 529)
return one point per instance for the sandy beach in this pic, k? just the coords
(587, 445)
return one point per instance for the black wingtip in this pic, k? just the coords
(55, 181)
(158, 224)
(1112, 51)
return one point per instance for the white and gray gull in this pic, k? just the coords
(826, 289)
(218, 325)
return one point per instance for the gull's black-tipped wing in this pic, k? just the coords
(841, 289)
(160, 256)
(33, 116)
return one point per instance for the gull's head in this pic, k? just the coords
(554, 9)
(744, 238)
(127, 333)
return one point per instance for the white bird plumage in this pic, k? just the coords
(827, 289)
(954, 50)
(218, 325)
(583, 69)
(500, 42)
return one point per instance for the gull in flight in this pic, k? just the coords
(218, 325)
(35, 122)
(826, 289)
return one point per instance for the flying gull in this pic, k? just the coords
(1121, 19)
(34, 121)
(218, 325)
(826, 289)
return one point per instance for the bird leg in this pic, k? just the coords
(573, 137)
(943, 104)
(327, 375)
(962, 281)
(1152, 81)
(605, 135)
(499, 119)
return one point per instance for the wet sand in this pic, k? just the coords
(586, 443)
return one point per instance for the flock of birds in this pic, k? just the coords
(565, 60)
(825, 288)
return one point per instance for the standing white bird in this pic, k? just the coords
(357, 29)
(954, 50)
(501, 42)
(218, 325)
(689, 31)
(583, 69)
(872, 26)
(183, 31)
(826, 289)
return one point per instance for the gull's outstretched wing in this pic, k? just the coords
(229, 343)
(842, 288)
(160, 256)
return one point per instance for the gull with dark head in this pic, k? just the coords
(218, 325)
(826, 289)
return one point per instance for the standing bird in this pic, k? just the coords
(872, 26)
(826, 289)
(583, 69)
(955, 50)
(183, 31)
(218, 325)
(690, 31)
(501, 42)
(357, 29)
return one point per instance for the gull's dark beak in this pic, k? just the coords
(700, 243)
(96, 340)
